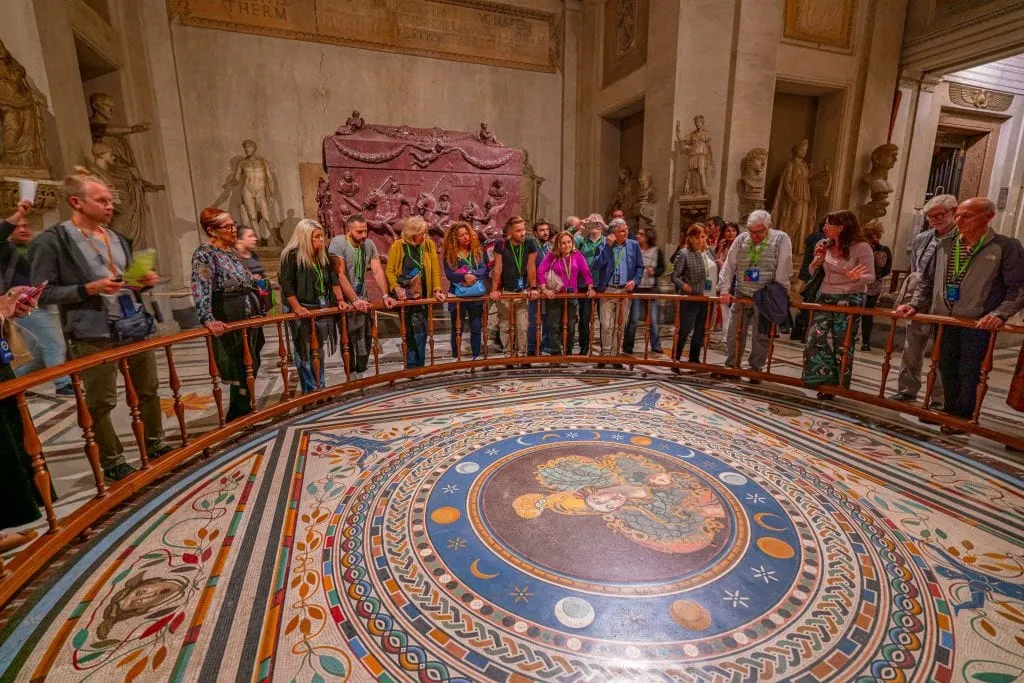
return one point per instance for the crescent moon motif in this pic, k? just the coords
(597, 436)
(549, 436)
(475, 569)
(759, 518)
(520, 441)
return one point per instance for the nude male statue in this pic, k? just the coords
(253, 173)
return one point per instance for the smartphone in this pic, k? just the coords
(30, 294)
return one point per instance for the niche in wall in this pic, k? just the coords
(622, 145)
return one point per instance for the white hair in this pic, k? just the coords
(759, 217)
(946, 201)
(616, 222)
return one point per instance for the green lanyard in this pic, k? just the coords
(469, 260)
(320, 289)
(419, 263)
(754, 251)
(517, 256)
(617, 253)
(958, 269)
(360, 264)
(567, 264)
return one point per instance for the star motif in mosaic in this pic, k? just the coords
(617, 437)
(764, 574)
(571, 435)
(521, 594)
(755, 498)
(456, 543)
(735, 598)
(450, 489)
(492, 451)
(633, 619)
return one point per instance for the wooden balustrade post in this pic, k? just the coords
(741, 329)
(345, 351)
(430, 330)
(594, 303)
(401, 330)
(709, 322)
(92, 449)
(986, 368)
(250, 373)
(484, 334)
(133, 408)
(175, 384)
(375, 340)
(458, 330)
(218, 396)
(40, 474)
(890, 343)
(566, 351)
(933, 369)
(314, 351)
(676, 343)
(772, 333)
(647, 330)
(541, 309)
(512, 328)
(282, 362)
(620, 328)
(846, 349)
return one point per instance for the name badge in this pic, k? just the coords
(521, 283)
(359, 289)
(952, 293)
(707, 285)
(322, 302)
(6, 355)
(752, 275)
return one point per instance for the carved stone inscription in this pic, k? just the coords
(462, 30)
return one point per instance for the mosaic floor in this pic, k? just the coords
(552, 527)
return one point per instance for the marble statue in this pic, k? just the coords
(752, 171)
(646, 207)
(23, 139)
(257, 184)
(529, 196)
(114, 135)
(323, 202)
(486, 136)
(129, 190)
(625, 192)
(883, 158)
(793, 210)
(697, 144)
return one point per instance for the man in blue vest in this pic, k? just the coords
(617, 270)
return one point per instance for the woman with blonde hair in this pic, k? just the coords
(694, 272)
(414, 272)
(465, 268)
(308, 282)
(561, 271)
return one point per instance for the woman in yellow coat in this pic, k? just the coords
(414, 272)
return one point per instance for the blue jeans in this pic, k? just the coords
(474, 311)
(532, 310)
(43, 335)
(636, 319)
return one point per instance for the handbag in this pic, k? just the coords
(553, 281)
(813, 288)
(134, 325)
(475, 289)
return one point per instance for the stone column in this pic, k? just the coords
(917, 124)
(571, 34)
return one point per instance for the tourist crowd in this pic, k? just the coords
(70, 282)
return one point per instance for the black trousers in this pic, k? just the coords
(962, 352)
(867, 322)
(692, 319)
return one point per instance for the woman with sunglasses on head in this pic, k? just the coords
(849, 265)
(465, 268)
(414, 272)
(309, 283)
(224, 292)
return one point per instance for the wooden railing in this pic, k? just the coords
(63, 531)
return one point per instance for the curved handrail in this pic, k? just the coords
(61, 532)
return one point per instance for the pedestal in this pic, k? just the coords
(693, 210)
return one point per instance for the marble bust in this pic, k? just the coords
(883, 158)
(752, 172)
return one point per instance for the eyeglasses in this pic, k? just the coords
(937, 215)
(228, 226)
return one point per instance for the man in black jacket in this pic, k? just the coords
(83, 262)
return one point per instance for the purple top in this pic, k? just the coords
(836, 282)
(577, 267)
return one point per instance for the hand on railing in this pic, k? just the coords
(389, 302)
(726, 298)
(216, 327)
(361, 305)
(990, 322)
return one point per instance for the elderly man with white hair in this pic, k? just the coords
(940, 213)
(757, 258)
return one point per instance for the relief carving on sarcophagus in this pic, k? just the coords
(389, 173)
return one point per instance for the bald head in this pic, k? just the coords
(973, 216)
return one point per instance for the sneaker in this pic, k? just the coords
(754, 380)
(618, 366)
(601, 365)
(865, 347)
(903, 396)
(118, 472)
(951, 431)
(66, 390)
(156, 450)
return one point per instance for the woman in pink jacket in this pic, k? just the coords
(563, 270)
